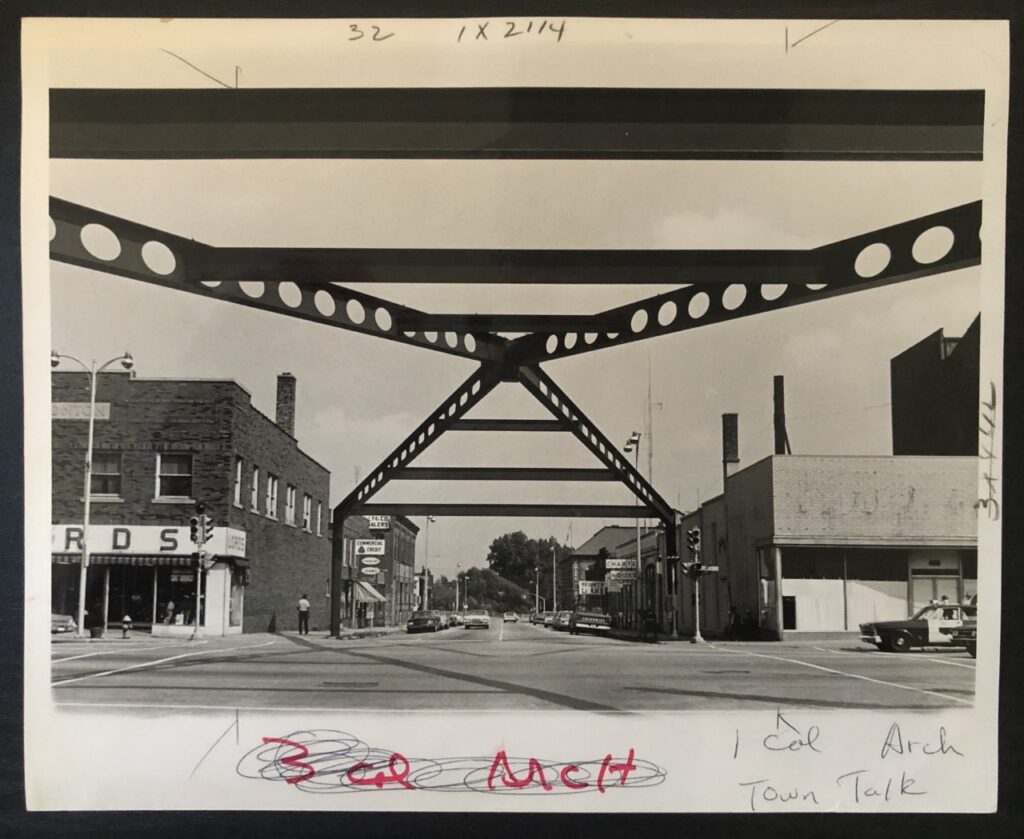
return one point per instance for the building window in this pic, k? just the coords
(289, 505)
(271, 504)
(173, 475)
(238, 482)
(307, 513)
(319, 517)
(106, 474)
(254, 493)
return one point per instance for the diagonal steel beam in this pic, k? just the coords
(552, 397)
(904, 251)
(450, 411)
(518, 122)
(155, 256)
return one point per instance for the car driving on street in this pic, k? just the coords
(478, 619)
(510, 617)
(561, 621)
(424, 621)
(923, 629)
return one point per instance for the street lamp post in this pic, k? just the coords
(633, 445)
(554, 580)
(536, 589)
(458, 571)
(426, 566)
(93, 372)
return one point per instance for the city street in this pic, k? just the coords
(509, 666)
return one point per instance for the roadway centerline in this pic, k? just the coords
(848, 675)
(142, 664)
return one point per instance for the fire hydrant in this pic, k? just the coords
(126, 626)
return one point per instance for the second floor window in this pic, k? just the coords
(289, 505)
(254, 493)
(238, 482)
(271, 505)
(307, 513)
(106, 473)
(174, 475)
(319, 517)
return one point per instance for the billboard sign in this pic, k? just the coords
(369, 547)
(591, 587)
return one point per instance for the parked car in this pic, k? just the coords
(62, 623)
(549, 618)
(446, 620)
(966, 635)
(589, 621)
(478, 619)
(922, 629)
(455, 619)
(537, 617)
(428, 620)
(510, 617)
(561, 621)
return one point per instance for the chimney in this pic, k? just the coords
(730, 442)
(285, 416)
(781, 438)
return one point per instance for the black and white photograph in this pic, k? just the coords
(486, 414)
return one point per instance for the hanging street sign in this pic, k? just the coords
(369, 547)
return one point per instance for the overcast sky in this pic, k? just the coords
(358, 396)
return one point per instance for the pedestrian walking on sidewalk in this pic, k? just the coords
(303, 616)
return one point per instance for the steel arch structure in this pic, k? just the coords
(712, 286)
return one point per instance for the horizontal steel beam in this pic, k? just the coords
(905, 251)
(507, 425)
(508, 323)
(487, 473)
(428, 508)
(626, 123)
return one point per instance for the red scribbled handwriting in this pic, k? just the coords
(326, 760)
(294, 760)
(392, 776)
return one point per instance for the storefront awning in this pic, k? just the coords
(125, 559)
(365, 593)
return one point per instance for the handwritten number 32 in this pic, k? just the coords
(358, 34)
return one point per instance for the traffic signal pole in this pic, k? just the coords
(697, 638)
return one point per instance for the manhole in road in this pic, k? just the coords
(350, 684)
(720, 672)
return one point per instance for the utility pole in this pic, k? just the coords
(536, 589)
(554, 581)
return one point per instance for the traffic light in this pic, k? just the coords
(196, 558)
(207, 528)
(693, 540)
(695, 569)
(194, 529)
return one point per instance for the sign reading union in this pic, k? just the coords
(369, 547)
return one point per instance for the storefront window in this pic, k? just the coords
(106, 474)
(235, 599)
(176, 596)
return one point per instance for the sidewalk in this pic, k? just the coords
(323, 637)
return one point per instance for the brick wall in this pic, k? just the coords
(876, 500)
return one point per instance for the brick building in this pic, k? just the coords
(162, 446)
(376, 559)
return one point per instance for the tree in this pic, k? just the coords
(514, 556)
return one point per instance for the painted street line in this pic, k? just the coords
(849, 675)
(127, 650)
(156, 662)
(901, 657)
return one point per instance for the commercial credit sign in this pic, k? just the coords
(369, 547)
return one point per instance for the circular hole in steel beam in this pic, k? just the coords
(773, 291)
(590, 337)
(101, 242)
(638, 323)
(733, 296)
(698, 305)
(291, 294)
(569, 340)
(451, 339)
(53, 230)
(552, 344)
(816, 286)
(872, 260)
(324, 302)
(431, 337)
(211, 283)
(355, 311)
(667, 313)
(933, 244)
(383, 318)
(253, 288)
(158, 258)
(470, 343)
